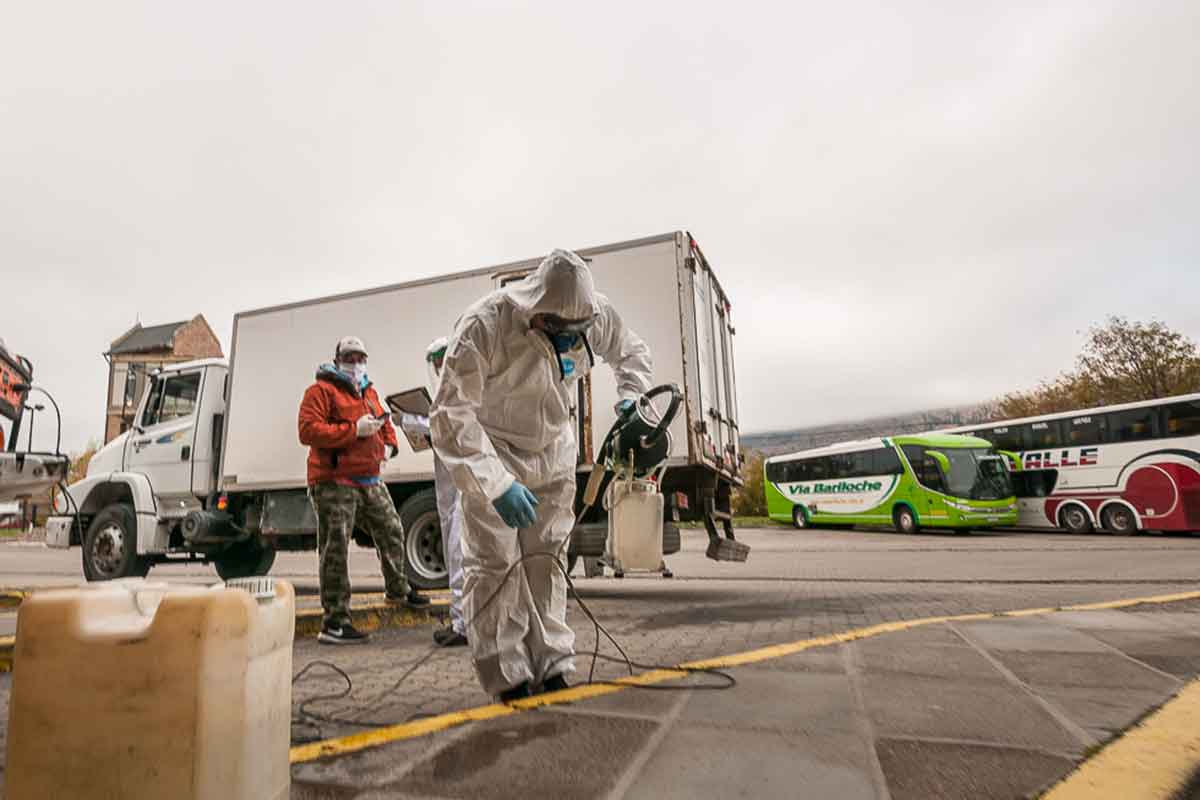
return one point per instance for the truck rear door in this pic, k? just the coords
(714, 359)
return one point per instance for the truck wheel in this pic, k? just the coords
(110, 546)
(905, 520)
(424, 558)
(1119, 520)
(244, 560)
(1074, 519)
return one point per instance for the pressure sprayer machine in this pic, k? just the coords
(630, 465)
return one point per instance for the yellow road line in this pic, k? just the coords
(410, 730)
(1154, 760)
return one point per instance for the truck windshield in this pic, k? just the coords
(977, 473)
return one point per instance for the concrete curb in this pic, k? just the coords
(369, 617)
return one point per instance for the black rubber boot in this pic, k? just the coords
(555, 683)
(516, 693)
(448, 637)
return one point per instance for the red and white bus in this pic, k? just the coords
(1120, 469)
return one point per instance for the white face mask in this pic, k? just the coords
(355, 371)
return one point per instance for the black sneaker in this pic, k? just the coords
(516, 693)
(448, 637)
(342, 634)
(411, 600)
(555, 683)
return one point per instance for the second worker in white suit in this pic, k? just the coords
(503, 422)
(449, 508)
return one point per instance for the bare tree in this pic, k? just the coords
(1121, 362)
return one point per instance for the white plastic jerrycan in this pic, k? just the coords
(142, 690)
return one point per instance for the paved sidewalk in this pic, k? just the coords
(997, 708)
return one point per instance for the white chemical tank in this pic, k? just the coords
(146, 690)
(635, 526)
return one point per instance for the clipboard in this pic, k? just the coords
(417, 403)
(413, 401)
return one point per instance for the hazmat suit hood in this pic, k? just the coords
(562, 285)
(435, 376)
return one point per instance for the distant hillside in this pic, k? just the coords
(787, 441)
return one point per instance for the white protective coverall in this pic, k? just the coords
(504, 413)
(449, 508)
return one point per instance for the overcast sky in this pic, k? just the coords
(910, 204)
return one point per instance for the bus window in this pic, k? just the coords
(1009, 437)
(987, 434)
(776, 472)
(1034, 482)
(818, 469)
(925, 468)
(1183, 419)
(1043, 435)
(841, 466)
(1085, 430)
(886, 462)
(864, 465)
(1133, 425)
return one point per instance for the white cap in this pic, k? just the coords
(349, 344)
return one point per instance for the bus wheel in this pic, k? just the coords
(905, 520)
(799, 518)
(1074, 519)
(1119, 520)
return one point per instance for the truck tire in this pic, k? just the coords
(247, 559)
(110, 546)
(672, 540)
(424, 557)
(589, 539)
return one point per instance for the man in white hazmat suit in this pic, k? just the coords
(449, 509)
(503, 423)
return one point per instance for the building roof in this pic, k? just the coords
(140, 340)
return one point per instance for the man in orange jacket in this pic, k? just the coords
(349, 436)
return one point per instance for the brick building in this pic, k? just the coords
(138, 352)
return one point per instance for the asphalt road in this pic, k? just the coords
(984, 708)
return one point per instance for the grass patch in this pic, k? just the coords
(11, 533)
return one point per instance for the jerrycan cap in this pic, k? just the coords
(261, 589)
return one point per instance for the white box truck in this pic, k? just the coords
(213, 469)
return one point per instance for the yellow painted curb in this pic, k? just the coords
(6, 652)
(373, 617)
(410, 730)
(1154, 760)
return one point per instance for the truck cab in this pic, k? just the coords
(129, 512)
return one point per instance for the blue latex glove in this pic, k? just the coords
(516, 506)
(624, 407)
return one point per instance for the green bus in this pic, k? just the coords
(910, 482)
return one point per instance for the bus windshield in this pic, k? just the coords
(977, 473)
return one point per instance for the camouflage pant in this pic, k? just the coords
(339, 510)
